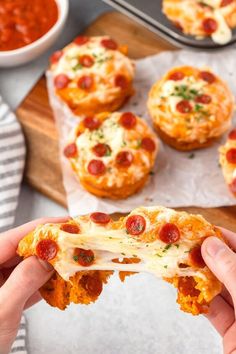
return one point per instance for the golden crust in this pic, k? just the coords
(117, 182)
(104, 67)
(182, 146)
(194, 291)
(229, 167)
(205, 122)
(188, 15)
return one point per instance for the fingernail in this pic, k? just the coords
(47, 266)
(214, 246)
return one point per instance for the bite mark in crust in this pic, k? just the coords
(112, 154)
(92, 75)
(190, 107)
(157, 240)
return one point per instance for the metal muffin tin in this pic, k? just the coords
(149, 13)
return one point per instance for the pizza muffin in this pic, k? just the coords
(190, 107)
(112, 154)
(208, 18)
(92, 75)
(87, 249)
(228, 161)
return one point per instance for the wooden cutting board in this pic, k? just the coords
(43, 169)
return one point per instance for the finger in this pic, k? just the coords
(9, 240)
(230, 237)
(11, 262)
(226, 296)
(36, 297)
(222, 262)
(23, 282)
(220, 314)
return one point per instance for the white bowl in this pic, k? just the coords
(31, 51)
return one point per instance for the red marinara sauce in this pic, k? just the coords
(24, 21)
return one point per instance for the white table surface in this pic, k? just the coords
(137, 317)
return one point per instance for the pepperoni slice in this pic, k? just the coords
(225, 2)
(80, 40)
(109, 44)
(92, 284)
(195, 257)
(121, 81)
(124, 158)
(232, 134)
(176, 76)
(148, 144)
(231, 156)
(70, 228)
(128, 120)
(46, 249)
(135, 224)
(85, 82)
(232, 186)
(204, 99)
(101, 150)
(86, 60)
(178, 25)
(83, 257)
(184, 106)
(100, 218)
(56, 56)
(92, 123)
(61, 81)
(169, 233)
(207, 76)
(96, 167)
(209, 25)
(70, 150)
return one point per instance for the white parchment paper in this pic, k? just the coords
(180, 179)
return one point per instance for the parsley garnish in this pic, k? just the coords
(191, 156)
(77, 67)
(166, 266)
(185, 92)
(76, 258)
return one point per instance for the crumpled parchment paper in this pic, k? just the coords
(180, 179)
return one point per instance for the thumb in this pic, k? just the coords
(23, 282)
(222, 262)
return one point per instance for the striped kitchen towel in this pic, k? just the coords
(12, 159)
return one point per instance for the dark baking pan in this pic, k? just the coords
(149, 13)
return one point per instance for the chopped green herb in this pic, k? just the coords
(185, 92)
(191, 156)
(123, 254)
(77, 67)
(76, 258)
(151, 173)
(159, 255)
(167, 247)
(166, 266)
(135, 255)
(177, 245)
(198, 107)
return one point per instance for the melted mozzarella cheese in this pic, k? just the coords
(169, 89)
(110, 133)
(223, 34)
(156, 257)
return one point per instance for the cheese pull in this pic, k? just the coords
(86, 250)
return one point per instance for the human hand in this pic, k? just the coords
(19, 281)
(222, 262)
